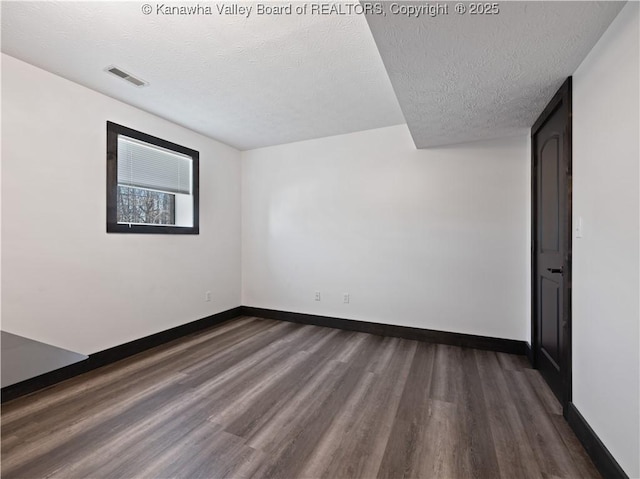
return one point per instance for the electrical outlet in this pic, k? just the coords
(207, 296)
(317, 295)
(345, 298)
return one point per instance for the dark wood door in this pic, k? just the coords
(551, 142)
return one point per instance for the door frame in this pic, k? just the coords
(562, 96)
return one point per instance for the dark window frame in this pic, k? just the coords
(113, 130)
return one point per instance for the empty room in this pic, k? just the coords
(306, 240)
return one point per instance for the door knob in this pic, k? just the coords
(555, 270)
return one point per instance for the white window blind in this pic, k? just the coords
(146, 166)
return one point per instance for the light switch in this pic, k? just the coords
(579, 227)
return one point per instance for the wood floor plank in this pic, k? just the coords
(480, 447)
(42, 462)
(446, 384)
(255, 398)
(327, 451)
(277, 396)
(551, 453)
(514, 454)
(404, 447)
(288, 454)
(138, 445)
(583, 466)
(355, 442)
(443, 455)
(268, 386)
(545, 395)
(205, 452)
(511, 362)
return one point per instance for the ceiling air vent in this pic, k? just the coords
(126, 76)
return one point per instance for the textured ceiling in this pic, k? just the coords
(273, 79)
(248, 82)
(461, 78)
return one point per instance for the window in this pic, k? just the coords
(152, 184)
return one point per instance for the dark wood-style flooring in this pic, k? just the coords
(262, 398)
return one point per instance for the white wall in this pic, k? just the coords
(606, 332)
(426, 238)
(65, 281)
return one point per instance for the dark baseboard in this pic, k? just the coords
(111, 355)
(599, 454)
(529, 353)
(511, 346)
